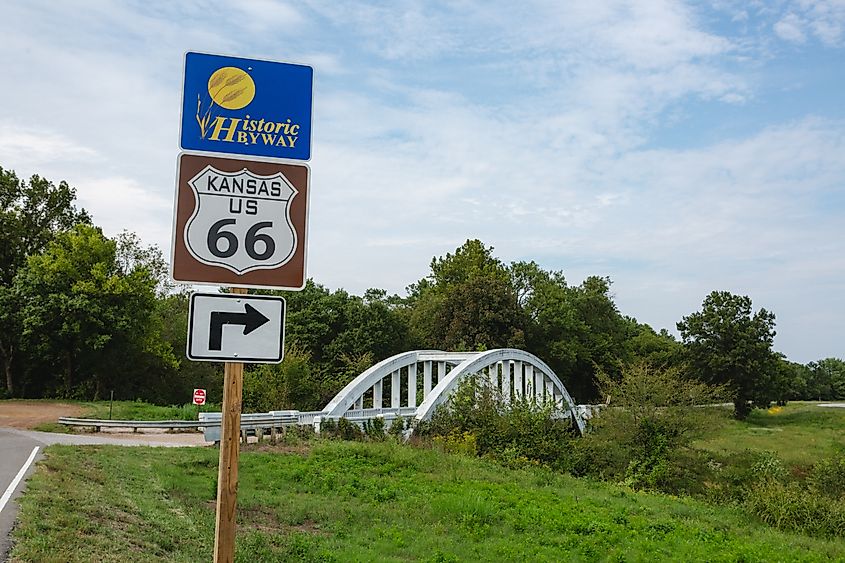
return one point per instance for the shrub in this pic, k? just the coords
(769, 467)
(397, 428)
(374, 429)
(510, 431)
(343, 429)
(462, 443)
(790, 506)
(828, 477)
(644, 437)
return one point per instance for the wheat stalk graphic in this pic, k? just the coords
(218, 82)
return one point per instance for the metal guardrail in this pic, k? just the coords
(257, 423)
(98, 424)
(208, 422)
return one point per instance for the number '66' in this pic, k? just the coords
(216, 233)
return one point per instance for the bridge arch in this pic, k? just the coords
(432, 376)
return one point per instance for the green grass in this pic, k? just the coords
(799, 433)
(342, 502)
(137, 410)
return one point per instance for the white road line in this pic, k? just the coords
(14, 484)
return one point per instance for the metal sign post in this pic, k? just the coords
(227, 471)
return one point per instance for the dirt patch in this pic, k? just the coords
(264, 519)
(28, 414)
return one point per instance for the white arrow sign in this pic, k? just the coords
(236, 328)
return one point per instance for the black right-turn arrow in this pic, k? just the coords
(251, 319)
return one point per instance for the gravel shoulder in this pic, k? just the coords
(21, 416)
(27, 414)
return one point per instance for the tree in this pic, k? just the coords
(31, 214)
(577, 330)
(725, 343)
(87, 321)
(467, 302)
(478, 314)
(826, 380)
(658, 349)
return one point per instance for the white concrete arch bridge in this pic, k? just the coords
(414, 384)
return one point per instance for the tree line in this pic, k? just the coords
(82, 315)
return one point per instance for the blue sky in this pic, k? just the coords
(677, 148)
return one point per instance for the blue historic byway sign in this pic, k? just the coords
(246, 106)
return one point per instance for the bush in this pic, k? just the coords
(374, 429)
(476, 419)
(644, 439)
(347, 430)
(828, 477)
(397, 428)
(462, 443)
(789, 506)
(769, 467)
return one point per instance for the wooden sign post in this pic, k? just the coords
(227, 471)
(240, 222)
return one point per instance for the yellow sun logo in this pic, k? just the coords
(231, 87)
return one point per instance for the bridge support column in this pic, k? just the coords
(493, 375)
(506, 380)
(412, 385)
(538, 385)
(529, 381)
(377, 395)
(395, 395)
(517, 380)
(426, 379)
(441, 371)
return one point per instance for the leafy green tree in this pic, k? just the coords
(31, 214)
(658, 349)
(84, 317)
(467, 302)
(791, 380)
(577, 330)
(471, 260)
(174, 383)
(288, 385)
(479, 314)
(826, 379)
(726, 343)
(329, 325)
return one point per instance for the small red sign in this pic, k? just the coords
(199, 397)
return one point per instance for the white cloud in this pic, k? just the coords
(261, 15)
(29, 147)
(790, 28)
(119, 203)
(825, 19)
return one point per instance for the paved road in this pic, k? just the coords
(16, 447)
(14, 453)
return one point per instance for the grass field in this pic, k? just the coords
(798, 433)
(340, 501)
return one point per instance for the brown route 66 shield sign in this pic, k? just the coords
(240, 222)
